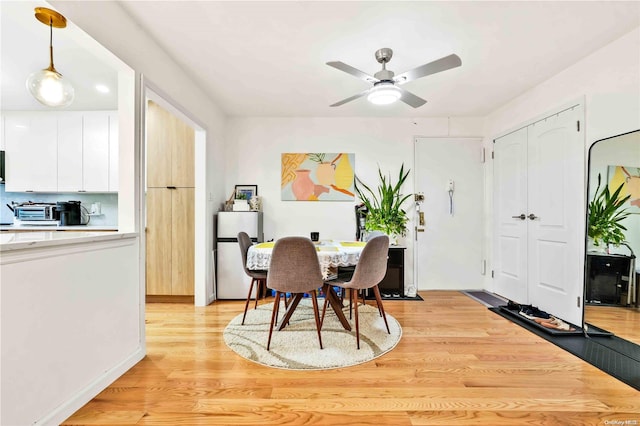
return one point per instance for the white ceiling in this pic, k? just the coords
(24, 48)
(268, 58)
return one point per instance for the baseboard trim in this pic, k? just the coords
(77, 401)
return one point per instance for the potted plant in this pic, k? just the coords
(606, 212)
(384, 207)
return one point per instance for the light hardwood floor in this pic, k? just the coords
(457, 363)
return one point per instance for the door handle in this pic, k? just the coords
(521, 217)
(421, 215)
(533, 216)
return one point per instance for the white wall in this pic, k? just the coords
(253, 156)
(134, 47)
(609, 81)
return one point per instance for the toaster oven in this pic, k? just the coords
(41, 214)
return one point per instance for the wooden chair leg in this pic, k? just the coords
(357, 321)
(376, 291)
(324, 305)
(314, 298)
(246, 305)
(351, 302)
(258, 291)
(274, 314)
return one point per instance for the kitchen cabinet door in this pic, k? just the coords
(158, 233)
(170, 149)
(95, 151)
(113, 152)
(182, 241)
(31, 152)
(70, 152)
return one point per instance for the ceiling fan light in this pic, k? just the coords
(384, 94)
(50, 88)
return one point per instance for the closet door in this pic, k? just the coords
(556, 214)
(510, 222)
(539, 173)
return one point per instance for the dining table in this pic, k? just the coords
(332, 254)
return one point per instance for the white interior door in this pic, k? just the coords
(556, 201)
(539, 172)
(510, 220)
(449, 251)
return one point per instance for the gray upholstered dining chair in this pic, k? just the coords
(370, 270)
(257, 277)
(294, 269)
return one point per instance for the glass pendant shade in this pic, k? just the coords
(50, 88)
(384, 94)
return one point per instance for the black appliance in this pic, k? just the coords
(69, 213)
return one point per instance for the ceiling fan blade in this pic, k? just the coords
(442, 64)
(353, 71)
(411, 99)
(344, 101)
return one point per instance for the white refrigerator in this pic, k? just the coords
(231, 281)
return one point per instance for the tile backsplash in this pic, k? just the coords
(109, 204)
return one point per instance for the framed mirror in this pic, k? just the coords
(611, 270)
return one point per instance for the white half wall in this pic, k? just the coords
(71, 325)
(253, 158)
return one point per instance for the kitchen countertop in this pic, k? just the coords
(10, 241)
(84, 228)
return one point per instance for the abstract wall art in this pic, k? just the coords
(630, 178)
(317, 177)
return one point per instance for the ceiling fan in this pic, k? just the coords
(386, 85)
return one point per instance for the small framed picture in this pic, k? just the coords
(245, 192)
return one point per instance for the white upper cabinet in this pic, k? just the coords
(69, 151)
(31, 152)
(95, 151)
(113, 152)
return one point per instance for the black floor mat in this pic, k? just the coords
(485, 298)
(617, 357)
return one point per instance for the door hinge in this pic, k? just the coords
(492, 273)
(578, 300)
(578, 125)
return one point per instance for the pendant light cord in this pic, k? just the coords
(51, 67)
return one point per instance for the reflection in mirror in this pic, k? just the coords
(611, 278)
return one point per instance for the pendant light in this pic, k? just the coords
(47, 85)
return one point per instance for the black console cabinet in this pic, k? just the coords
(393, 281)
(607, 278)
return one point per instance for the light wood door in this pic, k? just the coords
(159, 252)
(170, 170)
(510, 216)
(170, 149)
(182, 241)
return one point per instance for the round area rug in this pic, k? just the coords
(296, 347)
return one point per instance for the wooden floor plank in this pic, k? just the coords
(457, 363)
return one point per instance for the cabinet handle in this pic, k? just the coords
(520, 216)
(171, 187)
(533, 216)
